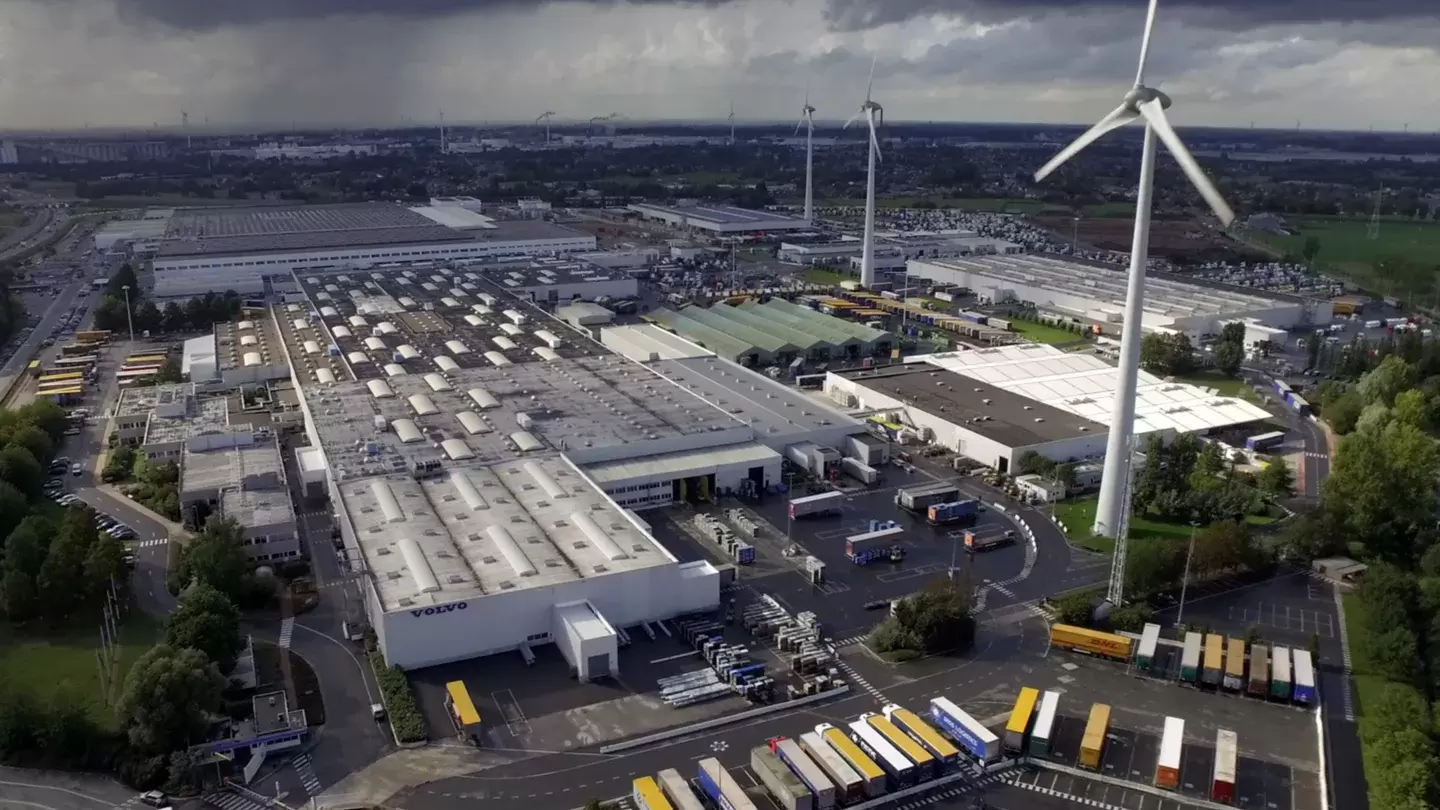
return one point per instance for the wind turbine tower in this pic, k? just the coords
(185, 125)
(545, 116)
(807, 120)
(731, 119)
(874, 116)
(443, 147)
(1142, 102)
(1373, 232)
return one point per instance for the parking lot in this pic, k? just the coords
(1291, 610)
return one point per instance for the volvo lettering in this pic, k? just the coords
(432, 611)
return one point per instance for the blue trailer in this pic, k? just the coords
(1302, 673)
(721, 787)
(944, 514)
(979, 741)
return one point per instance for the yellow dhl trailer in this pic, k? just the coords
(1083, 639)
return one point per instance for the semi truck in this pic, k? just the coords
(1259, 681)
(1149, 642)
(1021, 716)
(977, 542)
(946, 754)
(1167, 766)
(1234, 665)
(790, 753)
(646, 794)
(1222, 782)
(849, 786)
(926, 766)
(1092, 744)
(882, 544)
(677, 789)
(1190, 658)
(789, 792)
(826, 503)
(954, 512)
(920, 499)
(1280, 683)
(979, 741)
(1083, 639)
(900, 772)
(1214, 659)
(720, 786)
(1302, 670)
(872, 776)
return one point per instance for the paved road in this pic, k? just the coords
(22, 789)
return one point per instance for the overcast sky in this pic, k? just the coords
(1326, 63)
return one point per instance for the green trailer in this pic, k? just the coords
(1190, 660)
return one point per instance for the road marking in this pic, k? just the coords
(287, 629)
(303, 767)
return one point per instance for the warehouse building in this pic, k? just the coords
(1090, 293)
(553, 281)
(775, 332)
(215, 249)
(720, 220)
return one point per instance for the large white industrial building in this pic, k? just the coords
(1097, 294)
(720, 220)
(996, 404)
(486, 463)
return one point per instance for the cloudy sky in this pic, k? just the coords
(1331, 63)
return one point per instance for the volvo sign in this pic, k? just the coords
(432, 611)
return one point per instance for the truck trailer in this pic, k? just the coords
(1190, 658)
(1280, 683)
(882, 544)
(677, 789)
(1234, 665)
(977, 542)
(790, 753)
(1149, 642)
(860, 471)
(1222, 782)
(1259, 681)
(872, 776)
(920, 499)
(1214, 660)
(952, 513)
(789, 792)
(826, 503)
(849, 787)
(1167, 767)
(722, 788)
(1083, 639)
(946, 754)
(1092, 744)
(1302, 671)
(977, 740)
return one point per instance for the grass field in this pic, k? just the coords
(1043, 333)
(997, 204)
(1079, 515)
(60, 664)
(1227, 386)
(1368, 685)
(1346, 248)
(815, 275)
(1122, 210)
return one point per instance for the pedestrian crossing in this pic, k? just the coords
(306, 771)
(859, 680)
(149, 543)
(1059, 794)
(228, 800)
(848, 642)
(957, 790)
(287, 629)
(1346, 699)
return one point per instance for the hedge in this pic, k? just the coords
(399, 701)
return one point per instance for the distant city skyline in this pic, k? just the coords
(1331, 64)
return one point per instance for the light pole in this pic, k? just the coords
(1185, 578)
(130, 321)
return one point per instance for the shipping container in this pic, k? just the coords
(999, 323)
(872, 776)
(849, 787)
(1044, 730)
(1234, 664)
(1214, 659)
(1083, 639)
(722, 788)
(926, 766)
(976, 541)
(1265, 441)
(1280, 683)
(919, 499)
(784, 786)
(945, 753)
(677, 789)
(826, 503)
(1149, 641)
(1021, 716)
(860, 471)
(806, 770)
(1259, 681)
(962, 512)
(1092, 745)
(1222, 782)
(899, 770)
(1167, 767)
(1303, 677)
(645, 792)
(1190, 658)
(979, 741)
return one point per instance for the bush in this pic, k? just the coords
(399, 701)
(1075, 608)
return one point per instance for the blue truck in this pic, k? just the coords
(878, 545)
(963, 512)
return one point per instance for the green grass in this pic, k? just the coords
(1345, 246)
(1227, 386)
(815, 275)
(59, 664)
(1079, 515)
(1368, 685)
(1043, 333)
(1110, 210)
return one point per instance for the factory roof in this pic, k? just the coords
(990, 411)
(719, 318)
(726, 214)
(707, 336)
(769, 407)
(749, 322)
(199, 350)
(544, 272)
(249, 333)
(257, 508)
(1085, 385)
(200, 416)
(659, 465)
(1166, 296)
(644, 342)
(142, 400)
(584, 621)
(838, 331)
(475, 531)
(228, 467)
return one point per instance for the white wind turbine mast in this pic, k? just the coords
(1150, 104)
(872, 111)
(545, 116)
(731, 119)
(807, 120)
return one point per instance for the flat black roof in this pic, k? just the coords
(997, 414)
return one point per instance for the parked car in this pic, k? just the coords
(75, 469)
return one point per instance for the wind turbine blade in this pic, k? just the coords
(1155, 115)
(870, 85)
(852, 119)
(1145, 42)
(1117, 118)
(874, 140)
(799, 125)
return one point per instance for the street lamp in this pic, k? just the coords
(128, 319)
(1185, 578)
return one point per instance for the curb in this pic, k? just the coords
(720, 722)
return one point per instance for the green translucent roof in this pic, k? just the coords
(770, 326)
(829, 332)
(858, 331)
(712, 339)
(740, 331)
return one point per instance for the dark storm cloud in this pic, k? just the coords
(208, 14)
(864, 14)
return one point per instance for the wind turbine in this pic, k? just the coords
(731, 119)
(185, 125)
(807, 120)
(1150, 104)
(870, 109)
(443, 148)
(545, 116)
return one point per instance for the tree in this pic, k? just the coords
(173, 318)
(110, 314)
(47, 416)
(104, 563)
(1167, 355)
(1385, 381)
(13, 508)
(21, 470)
(1344, 411)
(62, 577)
(207, 621)
(1220, 547)
(937, 618)
(148, 317)
(215, 558)
(1413, 407)
(1228, 358)
(1233, 332)
(168, 699)
(1311, 249)
(36, 440)
(1150, 566)
(25, 551)
(1381, 484)
(169, 372)
(1276, 480)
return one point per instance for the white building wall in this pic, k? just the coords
(615, 288)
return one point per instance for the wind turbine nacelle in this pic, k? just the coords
(1140, 95)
